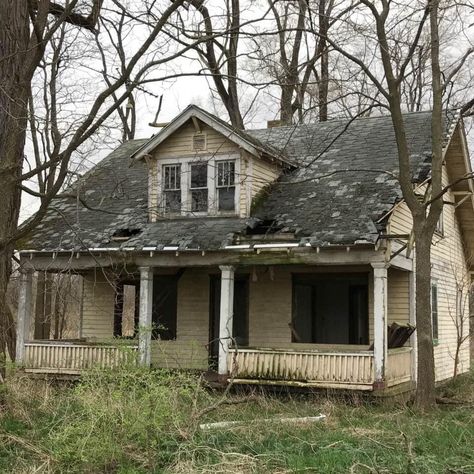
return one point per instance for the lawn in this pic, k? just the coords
(135, 421)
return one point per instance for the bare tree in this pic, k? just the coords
(28, 30)
(424, 19)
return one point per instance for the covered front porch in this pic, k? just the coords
(295, 324)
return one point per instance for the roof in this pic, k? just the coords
(344, 184)
(346, 178)
(240, 137)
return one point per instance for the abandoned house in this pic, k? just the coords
(274, 256)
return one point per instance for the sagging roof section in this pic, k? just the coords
(344, 181)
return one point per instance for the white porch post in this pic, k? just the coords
(380, 323)
(24, 314)
(226, 316)
(145, 316)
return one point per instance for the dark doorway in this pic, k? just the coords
(330, 309)
(240, 326)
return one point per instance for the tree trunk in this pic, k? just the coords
(14, 37)
(425, 393)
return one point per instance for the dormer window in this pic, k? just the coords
(198, 187)
(172, 188)
(226, 185)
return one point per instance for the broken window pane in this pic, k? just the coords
(226, 199)
(172, 177)
(172, 201)
(199, 200)
(225, 173)
(172, 188)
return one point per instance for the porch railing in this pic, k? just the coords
(325, 369)
(398, 366)
(72, 358)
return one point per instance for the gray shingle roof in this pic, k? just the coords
(346, 180)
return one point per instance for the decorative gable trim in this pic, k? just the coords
(236, 136)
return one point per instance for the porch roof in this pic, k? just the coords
(344, 183)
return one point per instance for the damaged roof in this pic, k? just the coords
(344, 183)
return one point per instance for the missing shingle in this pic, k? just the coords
(124, 234)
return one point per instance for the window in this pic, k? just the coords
(165, 303)
(172, 188)
(226, 185)
(440, 224)
(434, 310)
(198, 187)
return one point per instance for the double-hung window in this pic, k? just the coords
(198, 187)
(225, 185)
(172, 188)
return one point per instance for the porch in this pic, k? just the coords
(73, 357)
(321, 326)
(350, 370)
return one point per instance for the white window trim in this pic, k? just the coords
(186, 181)
(434, 282)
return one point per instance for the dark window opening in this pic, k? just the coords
(330, 309)
(434, 310)
(198, 188)
(165, 305)
(226, 185)
(172, 188)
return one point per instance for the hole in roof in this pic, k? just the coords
(265, 226)
(125, 234)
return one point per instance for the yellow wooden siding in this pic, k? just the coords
(98, 302)
(189, 350)
(398, 296)
(448, 266)
(180, 143)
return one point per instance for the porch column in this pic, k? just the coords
(380, 323)
(24, 314)
(226, 316)
(145, 316)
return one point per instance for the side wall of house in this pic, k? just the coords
(448, 269)
(98, 300)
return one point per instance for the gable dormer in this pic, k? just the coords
(201, 166)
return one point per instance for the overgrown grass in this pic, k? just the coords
(134, 421)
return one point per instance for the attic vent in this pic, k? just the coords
(199, 142)
(124, 234)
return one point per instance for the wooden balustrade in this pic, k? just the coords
(350, 370)
(72, 358)
(398, 366)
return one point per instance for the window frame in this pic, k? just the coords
(190, 189)
(173, 190)
(222, 186)
(434, 333)
(212, 194)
